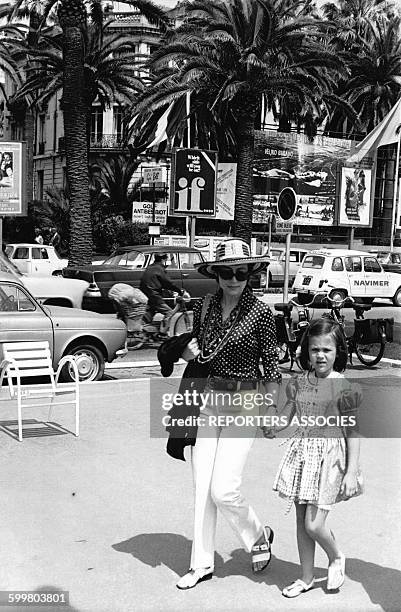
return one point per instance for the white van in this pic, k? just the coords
(340, 272)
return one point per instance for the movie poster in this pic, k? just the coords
(354, 208)
(12, 197)
(310, 168)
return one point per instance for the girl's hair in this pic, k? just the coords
(323, 327)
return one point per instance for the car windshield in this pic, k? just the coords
(8, 250)
(131, 259)
(313, 261)
(382, 257)
(7, 266)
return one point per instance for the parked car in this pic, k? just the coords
(35, 259)
(50, 290)
(277, 265)
(341, 272)
(389, 261)
(127, 264)
(90, 337)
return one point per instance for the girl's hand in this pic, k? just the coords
(349, 485)
(191, 350)
(268, 432)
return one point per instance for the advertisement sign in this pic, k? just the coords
(309, 168)
(225, 192)
(152, 175)
(355, 197)
(193, 183)
(142, 212)
(12, 178)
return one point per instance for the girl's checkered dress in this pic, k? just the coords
(314, 464)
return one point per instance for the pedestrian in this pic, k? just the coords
(321, 464)
(236, 332)
(55, 239)
(153, 281)
(38, 236)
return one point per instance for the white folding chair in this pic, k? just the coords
(33, 359)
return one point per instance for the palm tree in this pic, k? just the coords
(231, 53)
(72, 17)
(113, 178)
(375, 83)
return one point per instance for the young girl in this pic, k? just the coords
(320, 465)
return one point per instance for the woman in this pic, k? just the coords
(233, 336)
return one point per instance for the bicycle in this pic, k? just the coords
(369, 338)
(141, 334)
(289, 335)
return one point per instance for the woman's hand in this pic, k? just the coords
(191, 350)
(349, 485)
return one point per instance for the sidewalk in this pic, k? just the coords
(108, 517)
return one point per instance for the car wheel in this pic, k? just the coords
(90, 363)
(397, 298)
(338, 295)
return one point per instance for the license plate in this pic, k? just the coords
(307, 280)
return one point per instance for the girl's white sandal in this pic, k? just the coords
(297, 587)
(336, 574)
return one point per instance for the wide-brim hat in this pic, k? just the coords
(233, 252)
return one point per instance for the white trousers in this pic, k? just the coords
(218, 460)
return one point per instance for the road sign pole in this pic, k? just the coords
(287, 266)
(153, 208)
(192, 232)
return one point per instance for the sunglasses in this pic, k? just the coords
(227, 273)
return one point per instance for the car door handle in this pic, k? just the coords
(185, 274)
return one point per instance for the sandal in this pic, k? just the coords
(261, 553)
(193, 577)
(336, 574)
(297, 587)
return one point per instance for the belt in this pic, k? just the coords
(229, 384)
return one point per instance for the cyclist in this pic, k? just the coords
(153, 281)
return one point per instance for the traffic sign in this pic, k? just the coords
(193, 183)
(287, 203)
(284, 227)
(152, 175)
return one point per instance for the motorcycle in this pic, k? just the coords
(130, 305)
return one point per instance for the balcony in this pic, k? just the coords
(106, 141)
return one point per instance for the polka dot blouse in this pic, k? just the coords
(253, 338)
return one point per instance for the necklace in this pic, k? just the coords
(202, 357)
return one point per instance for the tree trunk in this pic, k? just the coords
(244, 185)
(72, 15)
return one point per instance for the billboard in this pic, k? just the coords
(225, 190)
(193, 183)
(311, 169)
(12, 178)
(142, 212)
(355, 197)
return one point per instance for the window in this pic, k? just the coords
(96, 123)
(12, 299)
(396, 258)
(337, 265)
(371, 265)
(188, 260)
(353, 264)
(313, 261)
(136, 260)
(117, 122)
(21, 253)
(40, 175)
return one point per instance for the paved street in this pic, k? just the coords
(108, 516)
